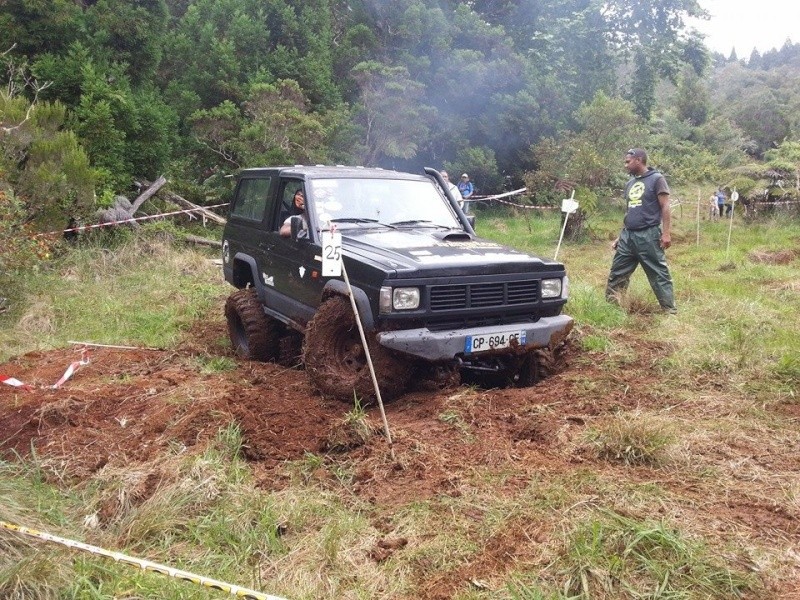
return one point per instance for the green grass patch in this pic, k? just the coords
(142, 292)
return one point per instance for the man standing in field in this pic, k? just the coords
(645, 233)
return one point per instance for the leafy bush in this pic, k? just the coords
(19, 250)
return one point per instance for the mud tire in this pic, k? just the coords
(335, 360)
(529, 371)
(254, 335)
(550, 360)
(290, 349)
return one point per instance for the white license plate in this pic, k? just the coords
(493, 341)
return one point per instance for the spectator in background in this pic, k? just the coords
(467, 189)
(722, 202)
(453, 189)
(713, 208)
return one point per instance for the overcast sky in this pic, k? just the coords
(748, 24)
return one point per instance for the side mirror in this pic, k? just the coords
(298, 227)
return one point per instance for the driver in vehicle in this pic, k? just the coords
(298, 208)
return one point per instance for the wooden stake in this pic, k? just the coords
(369, 360)
(698, 216)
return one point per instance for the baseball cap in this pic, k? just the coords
(464, 175)
(637, 153)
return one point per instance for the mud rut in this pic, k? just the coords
(129, 407)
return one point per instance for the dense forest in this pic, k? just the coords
(99, 94)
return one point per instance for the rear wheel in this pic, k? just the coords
(253, 334)
(336, 362)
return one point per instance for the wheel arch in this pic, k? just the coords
(245, 273)
(337, 287)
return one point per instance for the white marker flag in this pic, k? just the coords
(331, 254)
(569, 205)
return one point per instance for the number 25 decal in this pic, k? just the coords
(331, 254)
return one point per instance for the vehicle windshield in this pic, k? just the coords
(390, 202)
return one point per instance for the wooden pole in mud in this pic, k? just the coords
(734, 198)
(369, 360)
(698, 216)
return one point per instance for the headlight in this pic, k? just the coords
(398, 299)
(405, 298)
(551, 288)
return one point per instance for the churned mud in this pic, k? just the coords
(128, 407)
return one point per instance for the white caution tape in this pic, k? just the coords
(145, 565)
(14, 382)
(71, 369)
(497, 198)
(527, 206)
(779, 202)
(131, 220)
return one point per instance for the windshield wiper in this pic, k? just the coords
(359, 220)
(423, 222)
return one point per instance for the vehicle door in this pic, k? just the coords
(296, 274)
(250, 222)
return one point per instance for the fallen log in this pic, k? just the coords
(180, 201)
(202, 241)
(184, 203)
(148, 193)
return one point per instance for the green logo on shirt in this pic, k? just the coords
(635, 194)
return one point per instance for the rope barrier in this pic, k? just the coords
(131, 220)
(144, 565)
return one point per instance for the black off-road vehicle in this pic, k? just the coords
(432, 295)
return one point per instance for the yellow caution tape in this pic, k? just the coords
(145, 565)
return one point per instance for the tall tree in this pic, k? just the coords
(654, 32)
(130, 32)
(393, 120)
(692, 98)
(34, 26)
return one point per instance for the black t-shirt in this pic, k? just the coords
(641, 195)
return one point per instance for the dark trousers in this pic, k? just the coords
(641, 248)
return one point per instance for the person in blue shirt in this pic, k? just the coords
(722, 202)
(467, 189)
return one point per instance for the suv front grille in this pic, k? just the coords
(483, 295)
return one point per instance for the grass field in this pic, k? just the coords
(666, 464)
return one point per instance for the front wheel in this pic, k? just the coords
(539, 364)
(336, 362)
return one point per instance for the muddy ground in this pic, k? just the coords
(127, 407)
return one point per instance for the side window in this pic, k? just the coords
(288, 208)
(252, 199)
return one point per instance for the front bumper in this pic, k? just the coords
(447, 345)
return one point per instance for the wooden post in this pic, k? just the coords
(698, 216)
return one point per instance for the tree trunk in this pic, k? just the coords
(148, 193)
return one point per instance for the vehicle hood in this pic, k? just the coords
(417, 251)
